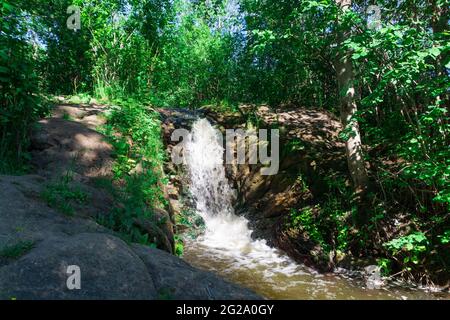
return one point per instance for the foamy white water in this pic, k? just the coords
(226, 233)
(227, 248)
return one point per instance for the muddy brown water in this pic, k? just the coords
(227, 248)
(295, 281)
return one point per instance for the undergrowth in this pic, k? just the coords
(16, 250)
(134, 131)
(64, 196)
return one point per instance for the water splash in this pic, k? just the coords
(227, 234)
(227, 247)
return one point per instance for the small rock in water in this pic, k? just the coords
(373, 277)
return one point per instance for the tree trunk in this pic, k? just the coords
(353, 146)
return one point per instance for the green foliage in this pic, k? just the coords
(306, 220)
(385, 266)
(62, 195)
(67, 116)
(79, 99)
(330, 224)
(194, 64)
(291, 43)
(179, 246)
(17, 250)
(20, 104)
(445, 237)
(142, 125)
(134, 132)
(295, 145)
(409, 248)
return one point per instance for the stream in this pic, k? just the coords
(226, 247)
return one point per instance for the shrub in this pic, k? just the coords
(20, 105)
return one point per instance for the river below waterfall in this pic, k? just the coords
(226, 247)
(287, 280)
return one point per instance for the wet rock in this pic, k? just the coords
(174, 207)
(372, 275)
(172, 192)
(177, 119)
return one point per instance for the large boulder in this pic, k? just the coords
(38, 244)
(109, 269)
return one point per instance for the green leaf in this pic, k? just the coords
(435, 51)
(4, 69)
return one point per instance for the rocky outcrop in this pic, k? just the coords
(37, 244)
(68, 145)
(309, 151)
(68, 140)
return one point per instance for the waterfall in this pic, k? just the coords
(204, 160)
(226, 233)
(227, 247)
(211, 191)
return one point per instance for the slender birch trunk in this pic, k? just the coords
(353, 146)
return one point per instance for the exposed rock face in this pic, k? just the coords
(110, 269)
(68, 143)
(309, 150)
(60, 144)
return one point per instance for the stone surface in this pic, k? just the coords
(178, 280)
(110, 268)
(309, 150)
(60, 145)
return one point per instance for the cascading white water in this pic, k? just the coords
(226, 233)
(227, 248)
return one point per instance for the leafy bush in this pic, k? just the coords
(135, 133)
(410, 249)
(20, 104)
